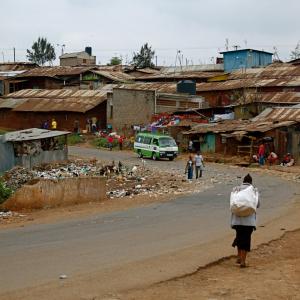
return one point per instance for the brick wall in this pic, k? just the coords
(130, 107)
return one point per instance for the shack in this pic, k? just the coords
(31, 147)
(281, 125)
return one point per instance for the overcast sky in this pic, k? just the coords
(198, 28)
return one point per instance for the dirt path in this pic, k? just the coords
(274, 273)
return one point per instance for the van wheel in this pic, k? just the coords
(140, 155)
(171, 158)
(154, 157)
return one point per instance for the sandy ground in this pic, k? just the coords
(273, 273)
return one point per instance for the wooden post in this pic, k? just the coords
(251, 150)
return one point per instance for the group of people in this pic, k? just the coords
(49, 125)
(271, 157)
(196, 163)
(110, 141)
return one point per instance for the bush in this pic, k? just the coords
(4, 192)
(75, 138)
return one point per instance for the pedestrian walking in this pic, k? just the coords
(189, 168)
(120, 141)
(244, 223)
(199, 164)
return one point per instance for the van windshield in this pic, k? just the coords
(167, 142)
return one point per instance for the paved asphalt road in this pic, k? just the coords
(37, 254)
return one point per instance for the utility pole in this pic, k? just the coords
(156, 60)
(14, 54)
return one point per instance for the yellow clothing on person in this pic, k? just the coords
(53, 124)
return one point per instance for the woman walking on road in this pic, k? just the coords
(189, 167)
(244, 227)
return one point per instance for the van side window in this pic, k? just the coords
(147, 140)
(139, 139)
(155, 142)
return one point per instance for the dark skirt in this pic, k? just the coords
(243, 237)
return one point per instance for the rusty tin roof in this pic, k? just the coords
(55, 100)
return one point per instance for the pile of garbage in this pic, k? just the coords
(18, 176)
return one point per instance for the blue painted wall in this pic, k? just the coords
(246, 58)
(209, 144)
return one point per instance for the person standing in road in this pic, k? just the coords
(189, 168)
(244, 226)
(199, 164)
(261, 154)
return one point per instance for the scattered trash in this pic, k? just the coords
(63, 276)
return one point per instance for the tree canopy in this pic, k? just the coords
(41, 52)
(115, 60)
(143, 59)
(295, 54)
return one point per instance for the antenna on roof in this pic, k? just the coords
(227, 44)
(235, 47)
(276, 56)
(62, 48)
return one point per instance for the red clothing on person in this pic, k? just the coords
(261, 150)
(110, 139)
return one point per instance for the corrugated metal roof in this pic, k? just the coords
(247, 83)
(55, 100)
(230, 126)
(194, 68)
(271, 71)
(271, 97)
(269, 119)
(280, 114)
(11, 73)
(180, 75)
(114, 75)
(161, 87)
(11, 103)
(63, 93)
(55, 71)
(32, 134)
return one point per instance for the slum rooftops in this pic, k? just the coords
(55, 100)
(269, 119)
(180, 75)
(274, 75)
(114, 75)
(32, 134)
(17, 66)
(162, 87)
(55, 71)
(271, 97)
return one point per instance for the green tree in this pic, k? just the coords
(295, 54)
(143, 59)
(41, 52)
(115, 60)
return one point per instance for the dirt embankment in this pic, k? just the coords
(273, 273)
